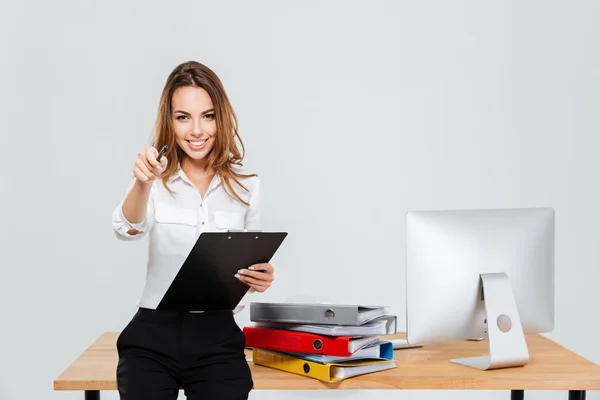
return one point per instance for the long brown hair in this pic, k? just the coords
(225, 153)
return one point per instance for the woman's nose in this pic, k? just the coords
(197, 128)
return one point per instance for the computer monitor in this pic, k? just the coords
(480, 274)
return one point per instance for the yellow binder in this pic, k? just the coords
(330, 372)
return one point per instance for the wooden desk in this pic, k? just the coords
(552, 367)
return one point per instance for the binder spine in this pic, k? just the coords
(292, 365)
(296, 342)
(304, 314)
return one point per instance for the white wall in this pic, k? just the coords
(352, 112)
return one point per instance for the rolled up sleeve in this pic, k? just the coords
(126, 230)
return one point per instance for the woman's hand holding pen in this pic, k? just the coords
(150, 164)
(258, 277)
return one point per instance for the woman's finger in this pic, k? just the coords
(259, 288)
(143, 168)
(256, 274)
(265, 267)
(255, 287)
(253, 281)
(151, 155)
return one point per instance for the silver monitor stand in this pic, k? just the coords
(506, 341)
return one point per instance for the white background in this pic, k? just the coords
(353, 113)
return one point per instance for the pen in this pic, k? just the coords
(162, 152)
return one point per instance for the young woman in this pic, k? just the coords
(197, 186)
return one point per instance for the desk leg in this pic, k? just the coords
(573, 395)
(92, 395)
(576, 394)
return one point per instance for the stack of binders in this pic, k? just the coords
(327, 342)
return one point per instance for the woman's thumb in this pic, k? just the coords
(163, 164)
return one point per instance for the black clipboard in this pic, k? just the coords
(206, 280)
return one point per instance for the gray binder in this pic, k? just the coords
(315, 313)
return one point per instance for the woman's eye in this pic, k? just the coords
(210, 116)
(181, 117)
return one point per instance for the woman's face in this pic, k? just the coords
(193, 120)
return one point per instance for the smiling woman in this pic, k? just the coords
(197, 186)
(195, 112)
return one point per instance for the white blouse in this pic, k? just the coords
(173, 223)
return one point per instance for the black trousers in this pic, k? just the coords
(202, 353)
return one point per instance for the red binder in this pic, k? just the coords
(303, 342)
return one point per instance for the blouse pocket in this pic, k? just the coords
(177, 227)
(228, 221)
